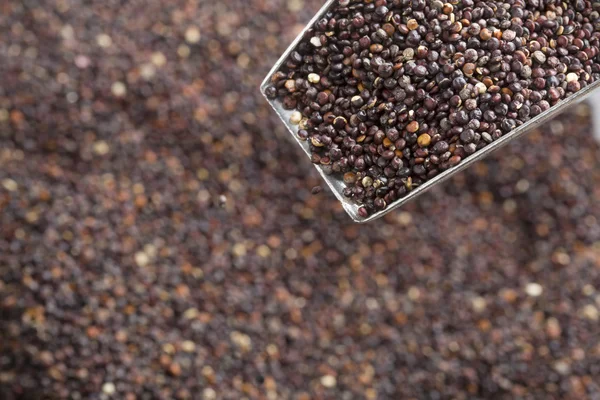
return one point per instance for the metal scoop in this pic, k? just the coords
(594, 102)
(337, 185)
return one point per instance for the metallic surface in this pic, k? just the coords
(594, 102)
(337, 185)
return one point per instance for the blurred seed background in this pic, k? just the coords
(159, 238)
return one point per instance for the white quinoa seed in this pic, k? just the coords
(109, 388)
(572, 77)
(314, 78)
(328, 381)
(534, 289)
(295, 118)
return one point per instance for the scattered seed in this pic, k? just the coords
(534, 289)
(192, 35)
(118, 89)
(328, 381)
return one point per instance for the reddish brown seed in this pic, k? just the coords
(376, 48)
(485, 34)
(412, 127)
(389, 29)
(469, 69)
(349, 177)
(362, 212)
(454, 160)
